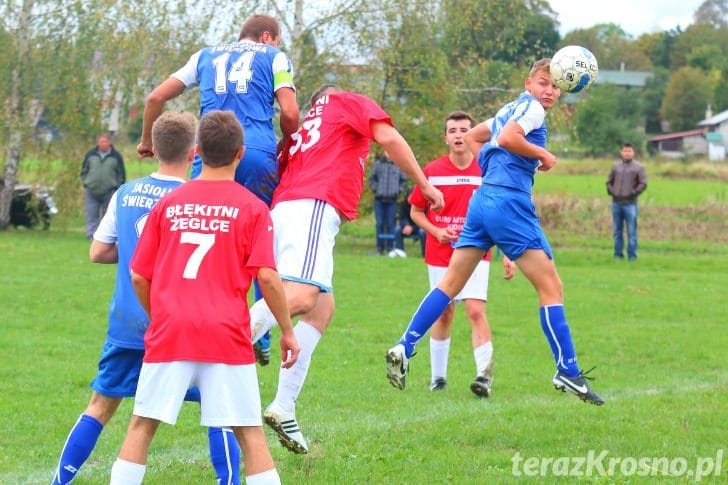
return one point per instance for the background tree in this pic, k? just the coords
(74, 62)
(694, 37)
(609, 116)
(320, 38)
(712, 12)
(653, 95)
(19, 42)
(687, 94)
(612, 47)
(657, 46)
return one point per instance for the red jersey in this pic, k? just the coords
(200, 248)
(325, 158)
(457, 186)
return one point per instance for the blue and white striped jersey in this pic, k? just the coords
(504, 168)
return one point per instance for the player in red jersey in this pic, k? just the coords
(200, 330)
(321, 184)
(457, 175)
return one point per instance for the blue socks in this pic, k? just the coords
(224, 452)
(79, 444)
(225, 455)
(427, 313)
(556, 330)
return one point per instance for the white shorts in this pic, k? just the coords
(229, 393)
(476, 287)
(305, 230)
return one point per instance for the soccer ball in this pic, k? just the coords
(574, 68)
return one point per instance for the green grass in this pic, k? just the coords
(655, 329)
(661, 191)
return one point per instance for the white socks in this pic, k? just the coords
(268, 477)
(439, 350)
(290, 381)
(483, 356)
(127, 473)
(261, 320)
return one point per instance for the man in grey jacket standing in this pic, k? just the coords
(626, 181)
(102, 172)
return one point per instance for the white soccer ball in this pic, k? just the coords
(574, 68)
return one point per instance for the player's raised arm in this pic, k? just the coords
(513, 139)
(169, 89)
(478, 136)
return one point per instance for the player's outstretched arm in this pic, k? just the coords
(271, 287)
(401, 154)
(169, 89)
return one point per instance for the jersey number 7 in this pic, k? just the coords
(204, 243)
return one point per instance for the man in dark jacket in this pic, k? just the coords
(386, 182)
(626, 182)
(102, 172)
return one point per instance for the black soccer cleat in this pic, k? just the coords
(578, 386)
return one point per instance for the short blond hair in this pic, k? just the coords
(173, 135)
(539, 66)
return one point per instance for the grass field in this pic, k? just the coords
(656, 330)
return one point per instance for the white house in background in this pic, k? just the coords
(716, 135)
(711, 139)
(679, 144)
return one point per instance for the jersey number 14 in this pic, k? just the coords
(240, 72)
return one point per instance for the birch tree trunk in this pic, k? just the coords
(14, 119)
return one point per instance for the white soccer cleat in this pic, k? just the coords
(397, 366)
(287, 429)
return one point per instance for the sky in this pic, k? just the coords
(636, 17)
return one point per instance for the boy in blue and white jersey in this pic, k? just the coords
(245, 77)
(121, 358)
(510, 148)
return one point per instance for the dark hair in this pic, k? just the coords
(254, 27)
(322, 91)
(219, 138)
(627, 145)
(457, 116)
(173, 134)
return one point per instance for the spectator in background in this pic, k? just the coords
(102, 172)
(626, 181)
(386, 182)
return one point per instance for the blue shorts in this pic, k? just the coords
(118, 373)
(257, 172)
(503, 217)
